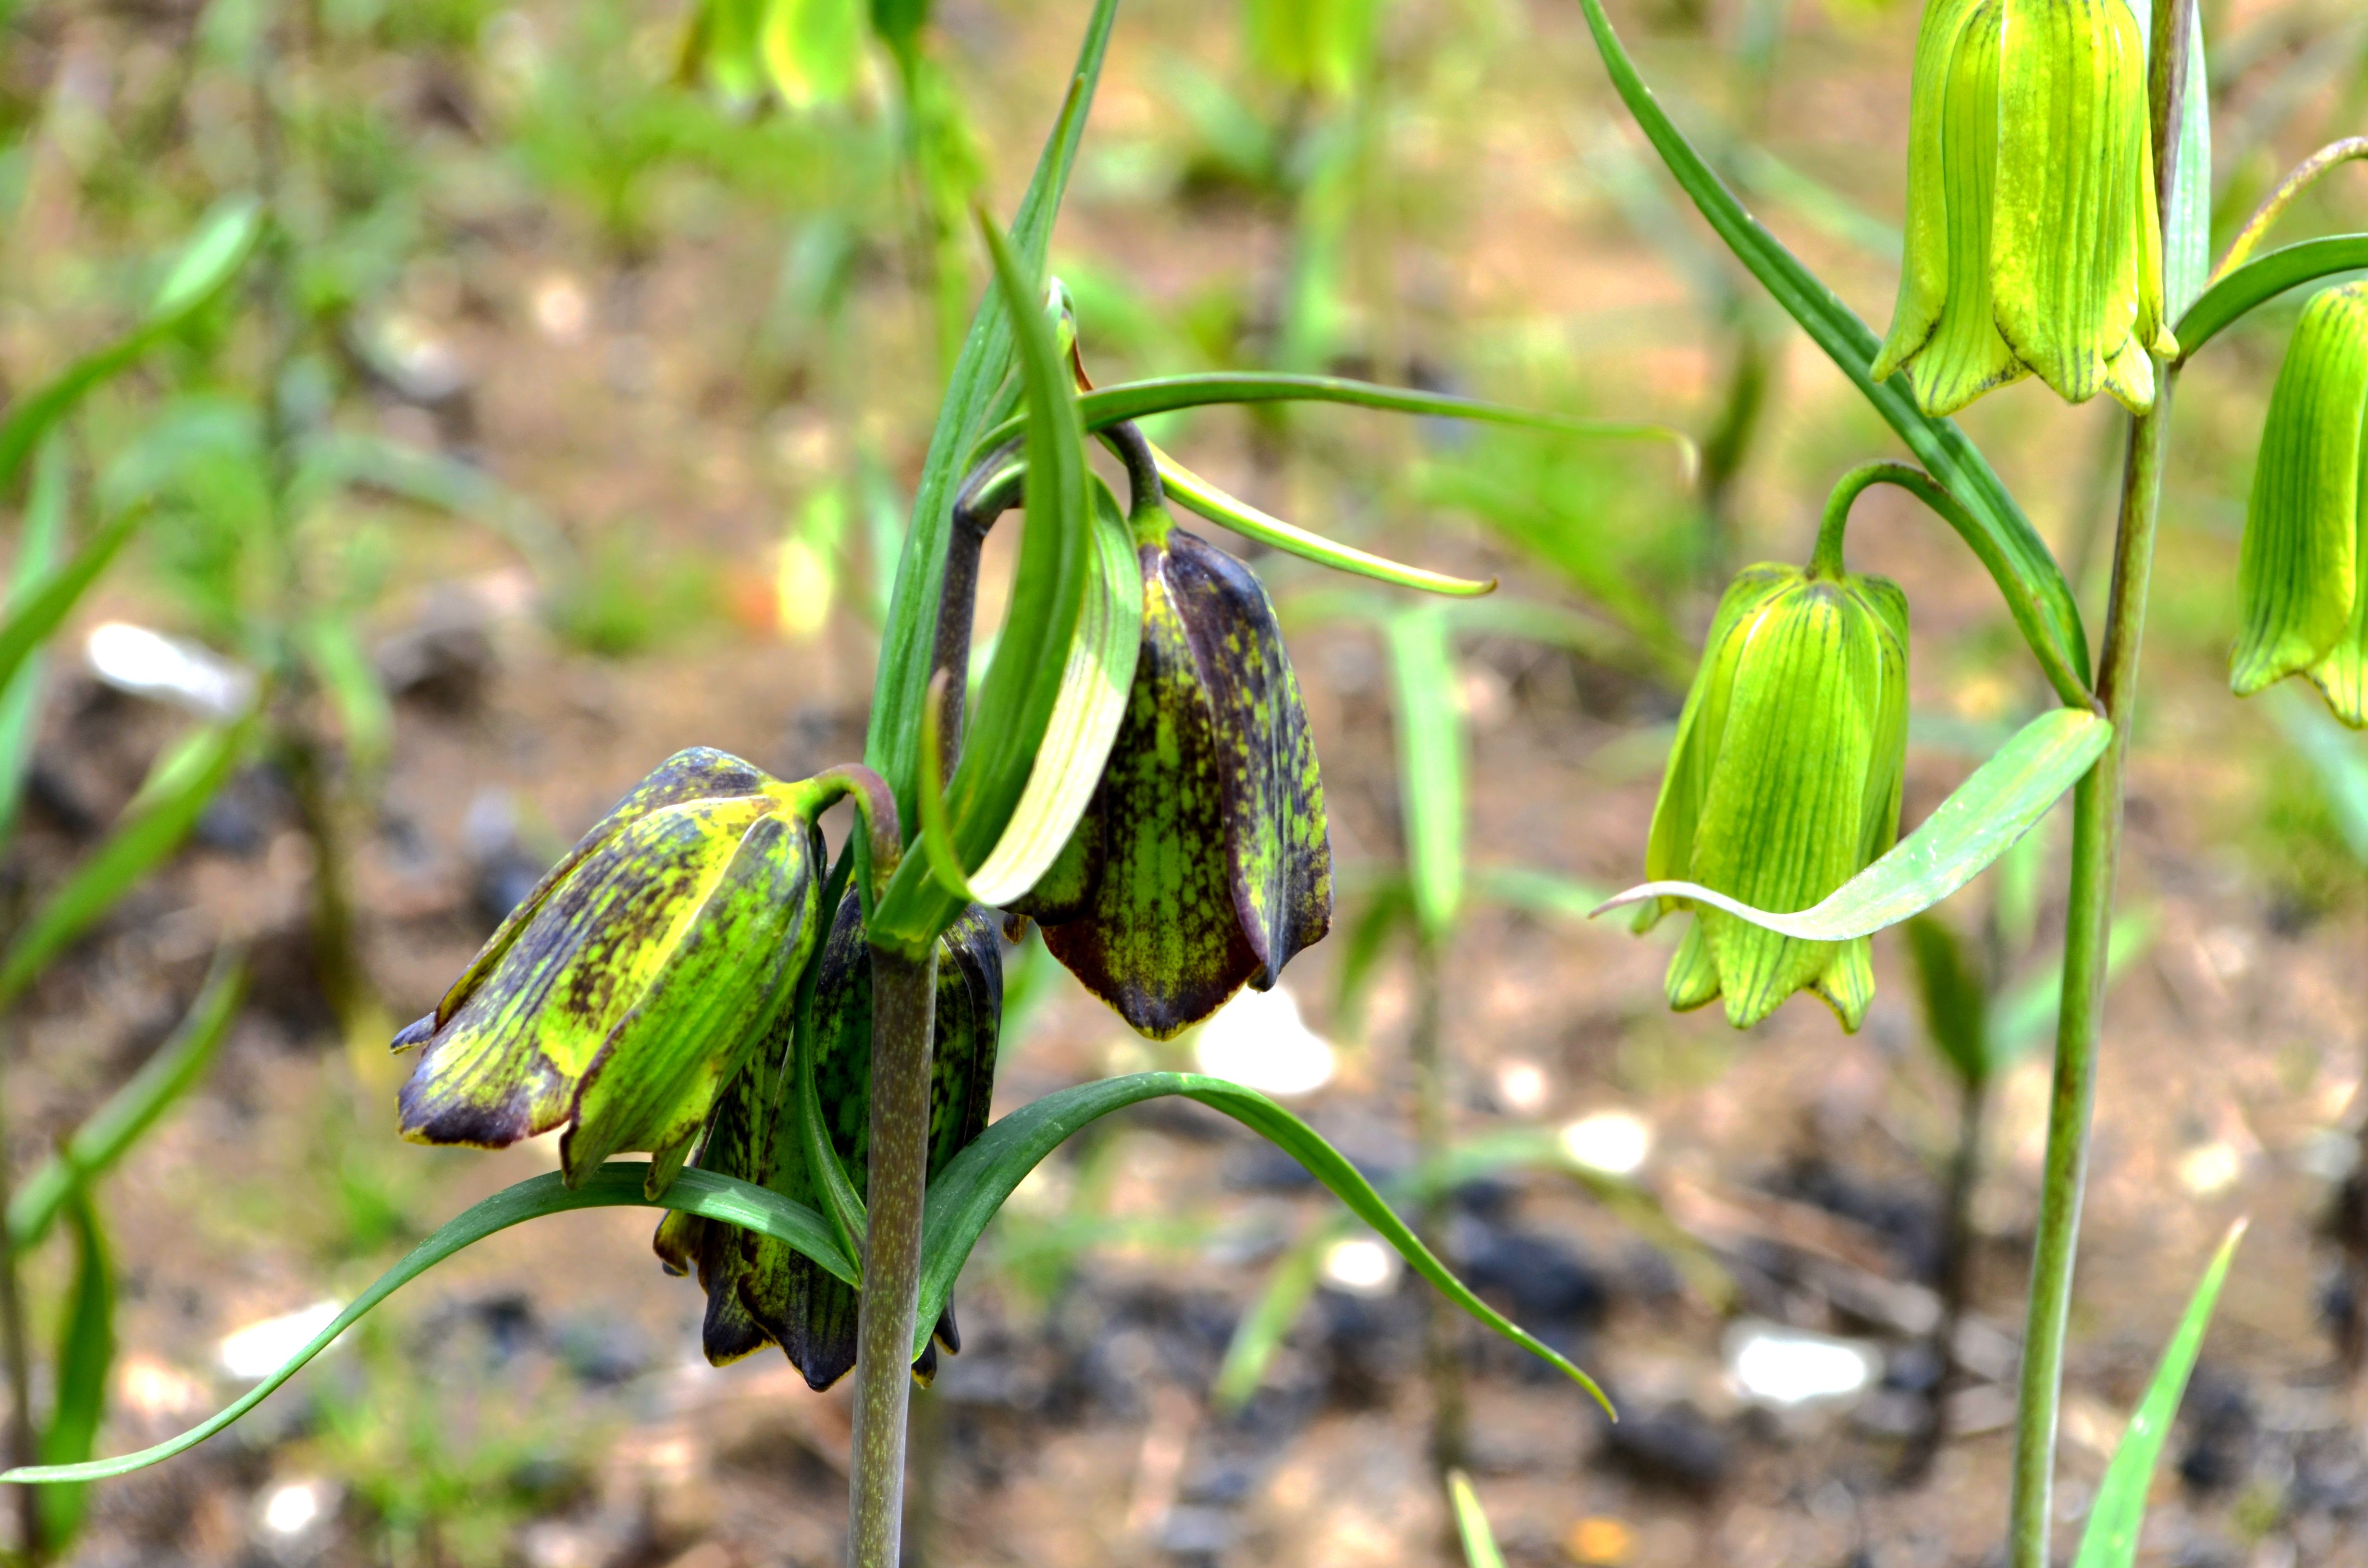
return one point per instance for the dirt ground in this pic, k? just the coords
(542, 1400)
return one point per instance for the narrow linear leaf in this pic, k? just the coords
(206, 264)
(153, 827)
(2111, 1537)
(1189, 490)
(40, 537)
(1105, 406)
(1534, 891)
(2029, 574)
(615, 1185)
(966, 1196)
(85, 1356)
(2262, 279)
(1022, 690)
(1431, 765)
(1472, 1525)
(35, 617)
(1267, 1324)
(892, 743)
(118, 1124)
(1979, 820)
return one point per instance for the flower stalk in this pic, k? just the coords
(2097, 804)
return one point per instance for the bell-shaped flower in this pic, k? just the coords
(2299, 573)
(627, 989)
(1783, 784)
(2032, 244)
(1204, 861)
(760, 1291)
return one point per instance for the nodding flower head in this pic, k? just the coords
(760, 1291)
(2298, 576)
(2032, 243)
(618, 1000)
(1205, 860)
(1783, 784)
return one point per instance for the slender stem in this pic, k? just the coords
(2305, 175)
(1433, 1130)
(904, 1009)
(2096, 854)
(12, 1346)
(993, 488)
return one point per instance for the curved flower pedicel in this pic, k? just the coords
(2033, 245)
(621, 996)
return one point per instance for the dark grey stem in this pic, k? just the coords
(1142, 486)
(993, 488)
(904, 1006)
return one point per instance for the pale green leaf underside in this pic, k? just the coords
(1979, 820)
(2262, 279)
(2110, 1538)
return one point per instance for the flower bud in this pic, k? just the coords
(2032, 243)
(1205, 860)
(621, 996)
(1783, 783)
(760, 1291)
(2297, 576)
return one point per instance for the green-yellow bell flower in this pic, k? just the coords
(2032, 243)
(2298, 576)
(1783, 783)
(627, 990)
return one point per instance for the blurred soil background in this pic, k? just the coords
(675, 357)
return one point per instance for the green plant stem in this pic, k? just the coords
(20, 1373)
(2096, 854)
(904, 1009)
(1433, 1133)
(2096, 847)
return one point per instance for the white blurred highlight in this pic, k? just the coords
(1259, 1041)
(1614, 1142)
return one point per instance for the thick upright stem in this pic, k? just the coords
(1441, 1326)
(2096, 849)
(903, 1021)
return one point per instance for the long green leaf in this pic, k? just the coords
(966, 1196)
(892, 743)
(1938, 444)
(1979, 820)
(153, 827)
(85, 1356)
(128, 1113)
(1472, 1525)
(1058, 559)
(206, 264)
(1270, 1319)
(1113, 405)
(1431, 765)
(616, 1185)
(2262, 279)
(34, 617)
(38, 538)
(2335, 756)
(1189, 490)
(2110, 1538)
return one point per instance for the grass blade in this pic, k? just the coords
(616, 1185)
(892, 743)
(1938, 444)
(966, 1196)
(85, 1356)
(1431, 765)
(1979, 820)
(153, 827)
(1269, 1320)
(38, 538)
(112, 1129)
(34, 617)
(1194, 494)
(2111, 1537)
(1472, 1525)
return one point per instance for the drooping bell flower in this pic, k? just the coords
(2299, 573)
(627, 989)
(1204, 862)
(1783, 784)
(2032, 243)
(760, 1291)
